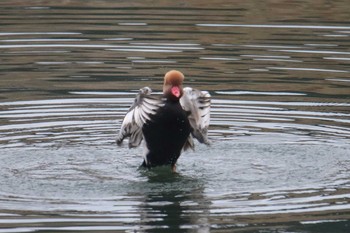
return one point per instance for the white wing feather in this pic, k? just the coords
(197, 104)
(139, 113)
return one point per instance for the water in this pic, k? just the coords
(278, 73)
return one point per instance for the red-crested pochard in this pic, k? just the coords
(167, 123)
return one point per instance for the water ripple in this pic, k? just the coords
(80, 120)
(280, 128)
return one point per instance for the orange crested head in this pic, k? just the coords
(172, 87)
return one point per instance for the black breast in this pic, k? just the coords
(165, 134)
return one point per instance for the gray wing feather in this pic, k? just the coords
(197, 104)
(139, 113)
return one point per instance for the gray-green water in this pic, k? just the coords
(278, 73)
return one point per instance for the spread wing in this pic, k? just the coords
(197, 104)
(139, 113)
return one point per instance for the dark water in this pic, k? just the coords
(278, 73)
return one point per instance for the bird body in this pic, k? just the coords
(167, 123)
(165, 134)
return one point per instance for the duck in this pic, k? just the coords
(167, 123)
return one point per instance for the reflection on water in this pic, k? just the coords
(279, 76)
(101, 188)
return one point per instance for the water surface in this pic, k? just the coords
(278, 74)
